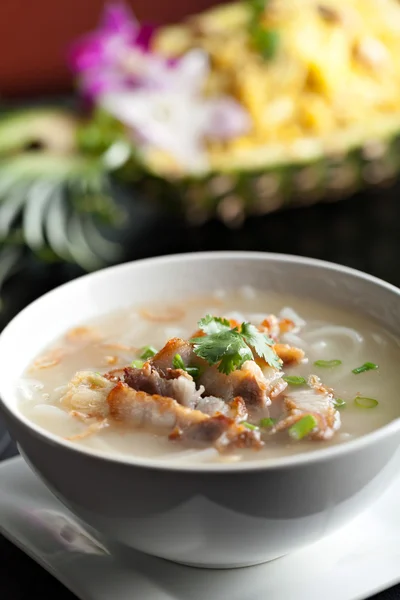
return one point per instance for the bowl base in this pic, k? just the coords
(225, 566)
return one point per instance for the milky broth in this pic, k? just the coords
(119, 336)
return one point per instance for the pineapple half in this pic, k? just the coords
(324, 104)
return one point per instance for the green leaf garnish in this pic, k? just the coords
(363, 402)
(227, 347)
(210, 324)
(137, 364)
(178, 363)
(303, 427)
(294, 380)
(231, 347)
(339, 403)
(368, 366)
(327, 363)
(249, 425)
(267, 422)
(147, 352)
(261, 343)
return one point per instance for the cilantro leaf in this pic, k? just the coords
(210, 324)
(227, 346)
(261, 344)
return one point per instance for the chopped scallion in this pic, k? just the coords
(303, 427)
(339, 403)
(148, 352)
(193, 371)
(294, 380)
(249, 425)
(137, 364)
(267, 422)
(368, 366)
(363, 402)
(178, 363)
(327, 363)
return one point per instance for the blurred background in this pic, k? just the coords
(64, 211)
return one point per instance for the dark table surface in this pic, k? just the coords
(362, 232)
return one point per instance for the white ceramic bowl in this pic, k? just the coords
(225, 515)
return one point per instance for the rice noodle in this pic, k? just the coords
(29, 388)
(48, 410)
(247, 292)
(289, 313)
(294, 340)
(327, 331)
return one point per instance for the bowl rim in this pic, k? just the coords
(302, 459)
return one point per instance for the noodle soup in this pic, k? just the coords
(229, 377)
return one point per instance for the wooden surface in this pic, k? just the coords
(35, 34)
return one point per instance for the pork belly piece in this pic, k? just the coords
(140, 409)
(222, 432)
(318, 401)
(164, 358)
(249, 382)
(289, 354)
(176, 384)
(163, 414)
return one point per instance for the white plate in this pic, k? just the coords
(353, 564)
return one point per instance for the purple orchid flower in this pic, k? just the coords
(160, 101)
(115, 56)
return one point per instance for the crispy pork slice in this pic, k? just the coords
(222, 432)
(163, 414)
(140, 409)
(289, 354)
(164, 358)
(249, 383)
(317, 400)
(177, 384)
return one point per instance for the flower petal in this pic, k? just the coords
(118, 18)
(227, 119)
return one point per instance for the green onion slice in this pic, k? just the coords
(249, 425)
(339, 403)
(303, 427)
(294, 380)
(178, 363)
(147, 352)
(327, 364)
(137, 364)
(368, 366)
(267, 422)
(363, 402)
